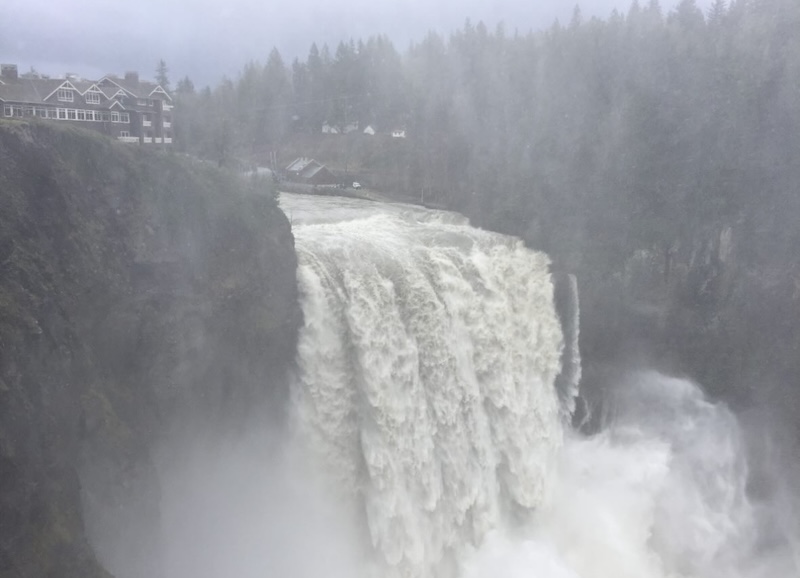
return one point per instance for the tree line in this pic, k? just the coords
(589, 139)
(361, 83)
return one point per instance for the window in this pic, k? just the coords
(81, 115)
(30, 111)
(41, 112)
(124, 117)
(114, 117)
(17, 111)
(106, 117)
(8, 111)
(92, 97)
(62, 113)
(72, 114)
(124, 133)
(65, 95)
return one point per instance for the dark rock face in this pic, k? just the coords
(138, 292)
(707, 310)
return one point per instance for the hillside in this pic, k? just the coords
(140, 292)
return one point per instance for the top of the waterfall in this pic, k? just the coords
(310, 209)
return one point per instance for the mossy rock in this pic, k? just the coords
(134, 285)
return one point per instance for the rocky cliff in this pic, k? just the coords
(139, 291)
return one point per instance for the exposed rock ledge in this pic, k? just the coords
(137, 288)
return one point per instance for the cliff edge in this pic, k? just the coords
(139, 290)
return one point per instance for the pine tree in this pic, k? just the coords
(276, 98)
(185, 86)
(717, 12)
(161, 74)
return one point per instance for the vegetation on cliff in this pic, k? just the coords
(137, 288)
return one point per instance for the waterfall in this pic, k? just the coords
(437, 371)
(426, 386)
(568, 307)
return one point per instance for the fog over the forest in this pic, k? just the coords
(195, 37)
(554, 333)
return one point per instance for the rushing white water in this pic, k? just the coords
(658, 493)
(568, 307)
(427, 367)
(427, 397)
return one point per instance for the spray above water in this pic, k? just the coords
(659, 492)
(427, 397)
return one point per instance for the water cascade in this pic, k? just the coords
(428, 363)
(430, 398)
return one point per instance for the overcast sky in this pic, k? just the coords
(206, 39)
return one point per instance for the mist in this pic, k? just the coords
(531, 307)
(242, 502)
(232, 509)
(637, 152)
(190, 35)
(660, 490)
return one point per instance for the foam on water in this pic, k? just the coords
(658, 493)
(426, 379)
(426, 397)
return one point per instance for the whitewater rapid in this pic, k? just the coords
(428, 403)
(427, 365)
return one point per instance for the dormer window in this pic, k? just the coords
(65, 95)
(92, 97)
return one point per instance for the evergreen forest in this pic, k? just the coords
(590, 140)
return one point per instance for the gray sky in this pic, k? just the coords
(206, 39)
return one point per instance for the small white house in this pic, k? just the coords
(399, 133)
(329, 129)
(369, 130)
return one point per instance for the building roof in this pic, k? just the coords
(137, 88)
(312, 170)
(37, 90)
(33, 90)
(298, 165)
(306, 168)
(82, 85)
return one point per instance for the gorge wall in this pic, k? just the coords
(140, 292)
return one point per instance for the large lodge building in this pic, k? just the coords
(126, 108)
